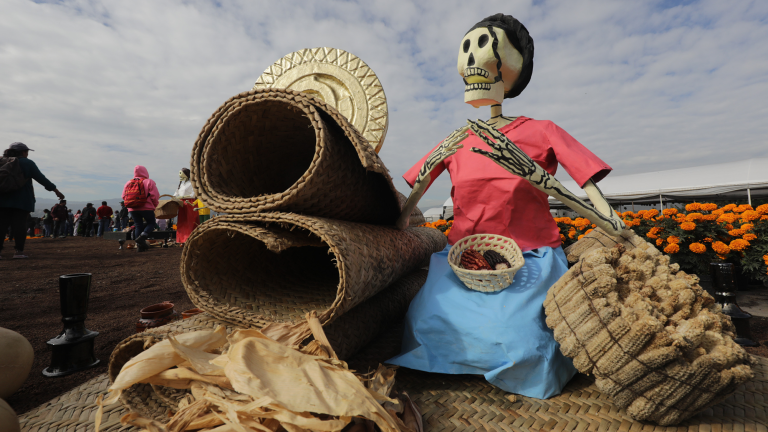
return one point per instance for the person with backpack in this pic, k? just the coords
(105, 217)
(17, 196)
(60, 215)
(141, 198)
(88, 217)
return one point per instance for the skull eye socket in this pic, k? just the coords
(466, 45)
(482, 41)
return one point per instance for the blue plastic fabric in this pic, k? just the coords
(503, 335)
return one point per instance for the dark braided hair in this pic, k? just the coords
(12, 153)
(186, 173)
(521, 40)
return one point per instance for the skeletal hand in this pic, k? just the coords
(505, 153)
(448, 147)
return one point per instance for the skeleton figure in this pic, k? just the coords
(184, 190)
(493, 69)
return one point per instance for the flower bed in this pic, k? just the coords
(697, 235)
(442, 225)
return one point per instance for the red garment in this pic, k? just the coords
(487, 199)
(153, 196)
(104, 212)
(187, 221)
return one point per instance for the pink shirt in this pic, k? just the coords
(487, 199)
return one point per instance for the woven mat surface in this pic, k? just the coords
(466, 402)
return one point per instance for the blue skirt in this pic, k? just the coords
(503, 335)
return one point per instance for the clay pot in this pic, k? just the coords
(156, 316)
(188, 313)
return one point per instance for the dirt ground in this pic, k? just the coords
(123, 283)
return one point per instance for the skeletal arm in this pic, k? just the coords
(448, 147)
(507, 155)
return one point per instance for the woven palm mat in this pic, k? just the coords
(462, 402)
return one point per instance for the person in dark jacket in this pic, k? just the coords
(47, 223)
(88, 217)
(15, 206)
(122, 216)
(60, 215)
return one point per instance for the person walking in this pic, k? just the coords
(60, 216)
(47, 223)
(105, 217)
(17, 203)
(76, 221)
(70, 222)
(141, 197)
(122, 216)
(87, 218)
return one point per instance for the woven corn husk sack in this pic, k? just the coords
(282, 150)
(253, 270)
(347, 335)
(655, 341)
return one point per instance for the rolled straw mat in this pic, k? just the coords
(458, 403)
(656, 342)
(253, 270)
(348, 334)
(282, 150)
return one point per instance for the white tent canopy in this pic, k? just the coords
(742, 179)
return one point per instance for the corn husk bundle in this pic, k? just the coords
(655, 341)
(246, 381)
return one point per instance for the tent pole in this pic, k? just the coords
(661, 203)
(749, 197)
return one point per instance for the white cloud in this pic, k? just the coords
(98, 87)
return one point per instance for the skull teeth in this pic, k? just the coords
(475, 71)
(477, 86)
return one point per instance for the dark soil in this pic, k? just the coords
(123, 283)
(759, 330)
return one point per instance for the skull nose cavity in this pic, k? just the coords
(471, 61)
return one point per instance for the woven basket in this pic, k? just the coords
(282, 150)
(167, 209)
(487, 280)
(655, 341)
(348, 334)
(276, 267)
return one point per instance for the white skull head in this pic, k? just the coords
(489, 64)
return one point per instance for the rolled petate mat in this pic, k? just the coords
(349, 334)
(275, 267)
(282, 150)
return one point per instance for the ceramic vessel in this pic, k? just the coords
(188, 313)
(156, 316)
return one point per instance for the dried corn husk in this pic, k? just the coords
(248, 381)
(656, 342)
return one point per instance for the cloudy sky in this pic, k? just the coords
(96, 87)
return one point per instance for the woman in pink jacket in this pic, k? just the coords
(143, 215)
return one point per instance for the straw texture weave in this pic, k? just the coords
(460, 403)
(655, 341)
(252, 270)
(282, 150)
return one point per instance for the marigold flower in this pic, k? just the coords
(750, 215)
(762, 209)
(739, 244)
(729, 207)
(669, 212)
(448, 231)
(718, 212)
(707, 240)
(651, 235)
(765, 258)
(742, 208)
(640, 213)
(580, 237)
(728, 226)
(588, 231)
(749, 237)
(693, 217)
(652, 213)
(659, 241)
(693, 207)
(728, 218)
(736, 232)
(722, 257)
(673, 239)
(688, 226)
(672, 248)
(747, 227)
(708, 207)
(697, 248)
(721, 248)
(709, 217)
(763, 217)
(581, 222)
(628, 213)
(562, 238)
(572, 233)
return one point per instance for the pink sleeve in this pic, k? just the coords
(577, 160)
(411, 175)
(154, 195)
